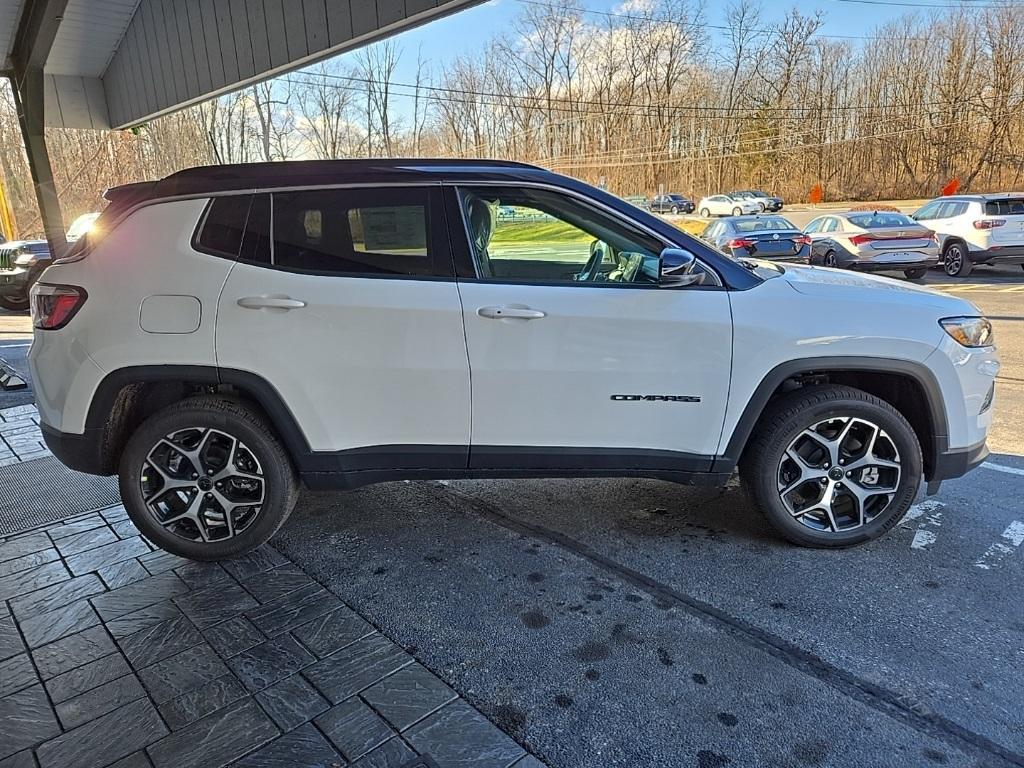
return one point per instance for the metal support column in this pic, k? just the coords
(28, 100)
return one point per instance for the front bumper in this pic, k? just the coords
(14, 282)
(958, 462)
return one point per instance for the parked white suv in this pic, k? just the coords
(226, 332)
(976, 229)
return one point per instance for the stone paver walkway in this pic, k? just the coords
(20, 438)
(115, 654)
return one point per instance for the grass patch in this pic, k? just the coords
(690, 226)
(538, 232)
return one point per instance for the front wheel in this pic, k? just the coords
(705, 213)
(915, 274)
(15, 302)
(675, 210)
(207, 479)
(955, 262)
(832, 466)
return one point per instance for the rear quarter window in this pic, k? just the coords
(1009, 207)
(224, 225)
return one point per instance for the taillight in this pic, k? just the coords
(740, 242)
(933, 236)
(861, 239)
(989, 223)
(53, 306)
(802, 240)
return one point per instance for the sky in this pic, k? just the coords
(468, 30)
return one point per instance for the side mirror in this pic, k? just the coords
(676, 268)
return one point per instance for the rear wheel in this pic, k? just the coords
(955, 262)
(915, 274)
(830, 260)
(207, 479)
(737, 212)
(761, 206)
(675, 209)
(832, 466)
(705, 213)
(15, 303)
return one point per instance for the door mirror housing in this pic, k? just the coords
(676, 268)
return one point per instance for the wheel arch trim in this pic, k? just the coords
(254, 385)
(840, 364)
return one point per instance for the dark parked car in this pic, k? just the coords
(766, 237)
(21, 263)
(671, 203)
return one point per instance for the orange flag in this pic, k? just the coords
(815, 195)
(951, 188)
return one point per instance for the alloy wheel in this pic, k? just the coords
(953, 261)
(202, 484)
(830, 259)
(839, 474)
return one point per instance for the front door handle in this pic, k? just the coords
(270, 302)
(518, 313)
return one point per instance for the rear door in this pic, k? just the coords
(347, 306)
(576, 364)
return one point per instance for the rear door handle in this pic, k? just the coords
(519, 313)
(270, 302)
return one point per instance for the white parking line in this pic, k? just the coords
(1012, 538)
(931, 511)
(1003, 468)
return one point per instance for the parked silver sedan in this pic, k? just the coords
(873, 241)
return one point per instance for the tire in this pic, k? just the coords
(18, 303)
(761, 206)
(208, 423)
(705, 213)
(737, 212)
(830, 260)
(955, 261)
(915, 274)
(675, 210)
(767, 464)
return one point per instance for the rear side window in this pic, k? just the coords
(352, 231)
(224, 225)
(1012, 206)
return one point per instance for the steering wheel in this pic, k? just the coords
(593, 264)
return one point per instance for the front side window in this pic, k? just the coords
(814, 226)
(928, 211)
(352, 231)
(554, 238)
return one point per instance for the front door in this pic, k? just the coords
(578, 359)
(350, 311)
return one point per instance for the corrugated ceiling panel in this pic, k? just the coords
(10, 12)
(88, 36)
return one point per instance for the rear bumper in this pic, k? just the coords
(82, 453)
(1011, 254)
(958, 462)
(867, 265)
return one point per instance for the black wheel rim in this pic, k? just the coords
(202, 485)
(839, 474)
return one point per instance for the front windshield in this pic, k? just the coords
(764, 224)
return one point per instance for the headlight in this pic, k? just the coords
(24, 259)
(968, 331)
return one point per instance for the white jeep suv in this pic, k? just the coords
(225, 333)
(976, 229)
